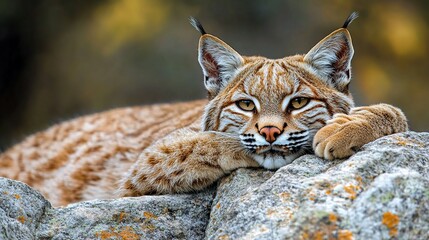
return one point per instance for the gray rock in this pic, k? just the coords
(21, 209)
(25, 214)
(381, 192)
(149, 217)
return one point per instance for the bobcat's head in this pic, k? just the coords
(275, 106)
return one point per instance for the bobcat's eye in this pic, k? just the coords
(298, 103)
(246, 105)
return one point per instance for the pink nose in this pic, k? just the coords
(270, 133)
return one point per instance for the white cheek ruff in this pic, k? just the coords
(260, 140)
(288, 139)
(257, 139)
(253, 141)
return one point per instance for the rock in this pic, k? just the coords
(149, 217)
(25, 214)
(21, 209)
(379, 193)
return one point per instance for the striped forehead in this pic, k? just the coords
(270, 79)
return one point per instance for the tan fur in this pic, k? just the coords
(84, 158)
(345, 134)
(184, 147)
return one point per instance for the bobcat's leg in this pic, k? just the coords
(183, 161)
(345, 134)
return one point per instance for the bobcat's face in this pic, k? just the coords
(275, 107)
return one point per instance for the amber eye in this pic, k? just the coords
(298, 103)
(246, 105)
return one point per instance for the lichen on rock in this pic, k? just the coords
(182, 216)
(381, 192)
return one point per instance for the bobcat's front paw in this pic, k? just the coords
(342, 137)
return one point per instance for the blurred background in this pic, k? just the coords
(61, 59)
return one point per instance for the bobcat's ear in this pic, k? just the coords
(331, 59)
(219, 63)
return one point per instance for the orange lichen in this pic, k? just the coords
(271, 212)
(359, 180)
(150, 215)
(328, 192)
(325, 227)
(148, 227)
(393, 232)
(304, 236)
(351, 190)
(21, 219)
(312, 196)
(121, 216)
(284, 196)
(333, 218)
(318, 235)
(218, 206)
(404, 142)
(345, 235)
(17, 196)
(326, 232)
(391, 221)
(105, 234)
(126, 233)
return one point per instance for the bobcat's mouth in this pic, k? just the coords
(285, 144)
(278, 149)
(277, 156)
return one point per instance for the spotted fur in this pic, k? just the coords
(260, 112)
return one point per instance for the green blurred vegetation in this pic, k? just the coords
(61, 59)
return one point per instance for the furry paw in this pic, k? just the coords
(342, 136)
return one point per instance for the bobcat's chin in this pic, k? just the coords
(275, 159)
(277, 156)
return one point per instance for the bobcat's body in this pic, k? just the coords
(261, 112)
(86, 157)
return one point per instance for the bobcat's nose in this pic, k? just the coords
(270, 133)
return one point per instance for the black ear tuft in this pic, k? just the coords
(350, 19)
(197, 25)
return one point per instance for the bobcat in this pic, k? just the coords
(260, 112)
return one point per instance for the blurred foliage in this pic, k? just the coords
(61, 59)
